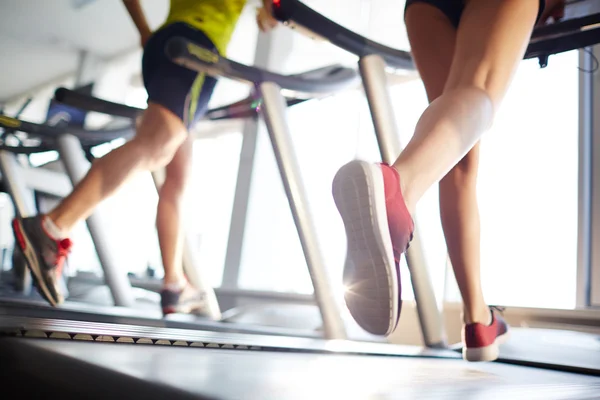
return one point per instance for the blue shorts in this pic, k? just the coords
(184, 92)
(453, 9)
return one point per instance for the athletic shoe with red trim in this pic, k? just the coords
(45, 256)
(481, 342)
(378, 229)
(187, 301)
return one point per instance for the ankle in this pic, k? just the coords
(174, 284)
(405, 188)
(481, 315)
(52, 229)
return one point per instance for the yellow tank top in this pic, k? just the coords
(216, 18)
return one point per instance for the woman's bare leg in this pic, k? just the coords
(486, 58)
(158, 137)
(491, 41)
(432, 41)
(169, 213)
(375, 202)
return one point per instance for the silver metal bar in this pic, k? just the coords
(239, 212)
(274, 113)
(584, 236)
(77, 166)
(46, 181)
(594, 280)
(22, 197)
(372, 71)
(21, 194)
(196, 275)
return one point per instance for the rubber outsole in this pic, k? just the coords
(33, 262)
(373, 293)
(487, 353)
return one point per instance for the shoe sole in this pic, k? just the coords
(32, 262)
(185, 309)
(373, 293)
(487, 353)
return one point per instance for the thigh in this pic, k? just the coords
(180, 166)
(491, 42)
(432, 38)
(184, 92)
(452, 9)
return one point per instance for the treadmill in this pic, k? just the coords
(73, 360)
(563, 350)
(303, 87)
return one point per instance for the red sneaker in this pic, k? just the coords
(481, 342)
(45, 257)
(378, 229)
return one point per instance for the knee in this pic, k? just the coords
(158, 149)
(479, 81)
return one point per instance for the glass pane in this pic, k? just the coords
(326, 133)
(528, 190)
(272, 255)
(210, 199)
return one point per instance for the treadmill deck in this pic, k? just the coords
(107, 369)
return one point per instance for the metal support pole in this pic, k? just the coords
(584, 236)
(263, 57)
(23, 200)
(594, 276)
(372, 70)
(77, 166)
(274, 112)
(239, 212)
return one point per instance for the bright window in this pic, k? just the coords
(528, 193)
(210, 199)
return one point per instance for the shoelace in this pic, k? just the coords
(63, 248)
(499, 309)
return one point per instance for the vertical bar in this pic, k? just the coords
(23, 200)
(22, 196)
(76, 165)
(194, 271)
(239, 212)
(584, 223)
(274, 112)
(372, 71)
(594, 279)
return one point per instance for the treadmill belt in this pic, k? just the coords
(551, 348)
(103, 370)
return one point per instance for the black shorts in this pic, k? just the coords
(453, 9)
(184, 92)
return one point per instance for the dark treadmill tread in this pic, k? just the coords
(552, 348)
(104, 370)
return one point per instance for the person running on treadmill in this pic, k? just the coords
(177, 99)
(466, 52)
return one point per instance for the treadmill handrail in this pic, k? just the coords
(90, 103)
(53, 132)
(198, 58)
(24, 149)
(299, 13)
(240, 109)
(578, 14)
(545, 40)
